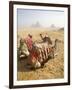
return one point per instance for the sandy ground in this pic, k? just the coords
(54, 68)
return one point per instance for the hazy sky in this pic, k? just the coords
(27, 17)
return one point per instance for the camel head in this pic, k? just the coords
(23, 49)
(40, 34)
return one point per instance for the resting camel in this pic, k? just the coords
(45, 51)
(46, 39)
(39, 54)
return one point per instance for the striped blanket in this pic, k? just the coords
(40, 53)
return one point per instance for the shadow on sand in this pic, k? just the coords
(23, 66)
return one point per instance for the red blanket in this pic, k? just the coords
(29, 42)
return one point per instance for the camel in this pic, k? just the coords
(46, 39)
(45, 51)
(39, 54)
